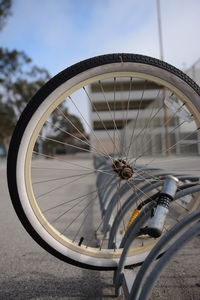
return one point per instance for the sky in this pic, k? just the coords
(59, 33)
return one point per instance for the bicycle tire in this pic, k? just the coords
(35, 115)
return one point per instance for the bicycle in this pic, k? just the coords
(141, 109)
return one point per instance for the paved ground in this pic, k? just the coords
(181, 277)
(28, 272)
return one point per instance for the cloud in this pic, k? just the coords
(58, 33)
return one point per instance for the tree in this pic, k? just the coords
(5, 11)
(19, 81)
(7, 123)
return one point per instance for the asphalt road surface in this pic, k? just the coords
(28, 272)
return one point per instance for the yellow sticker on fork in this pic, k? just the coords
(133, 217)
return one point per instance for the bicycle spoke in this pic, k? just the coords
(146, 126)
(150, 140)
(86, 142)
(136, 119)
(93, 106)
(105, 152)
(171, 147)
(61, 178)
(60, 186)
(69, 201)
(109, 109)
(65, 144)
(74, 164)
(82, 211)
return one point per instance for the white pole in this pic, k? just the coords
(160, 30)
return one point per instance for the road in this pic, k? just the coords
(28, 272)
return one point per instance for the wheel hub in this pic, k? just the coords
(124, 170)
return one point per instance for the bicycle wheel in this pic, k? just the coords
(142, 111)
